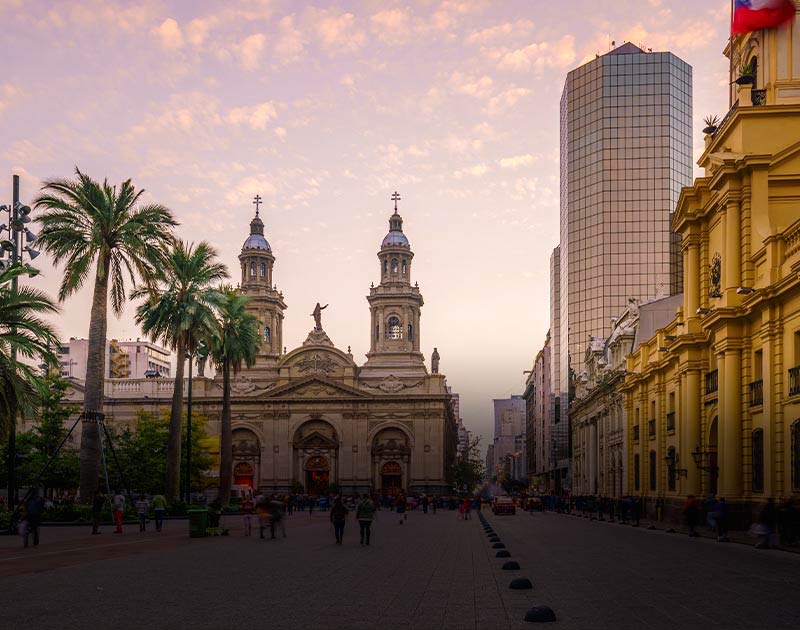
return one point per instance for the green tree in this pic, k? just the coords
(22, 332)
(180, 312)
(235, 343)
(91, 225)
(142, 453)
(469, 469)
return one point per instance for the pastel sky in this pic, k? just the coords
(324, 109)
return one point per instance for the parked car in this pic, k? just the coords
(504, 505)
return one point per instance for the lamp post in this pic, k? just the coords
(18, 216)
(189, 434)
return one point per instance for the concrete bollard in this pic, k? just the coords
(502, 554)
(510, 566)
(498, 545)
(540, 614)
(520, 584)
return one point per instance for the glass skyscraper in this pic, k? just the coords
(626, 152)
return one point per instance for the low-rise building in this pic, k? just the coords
(124, 359)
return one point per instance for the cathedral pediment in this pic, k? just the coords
(315, 387)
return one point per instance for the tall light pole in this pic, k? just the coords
(17, 218)
(189, 434)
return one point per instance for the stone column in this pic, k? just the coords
(690, 430)
(733, 246)
(730, 425)
(592, 457)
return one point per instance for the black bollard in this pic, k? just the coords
(540, 614)
(502, 554)
(520, 584)
(510, 566)
(498, 545)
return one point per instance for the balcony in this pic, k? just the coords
(671, 422)
(794, 381)
(757, 393)
(651, 428)
(712, 382)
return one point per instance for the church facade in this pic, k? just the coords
(312, 416)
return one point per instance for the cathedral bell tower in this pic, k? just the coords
(266, 302)
(395, 307)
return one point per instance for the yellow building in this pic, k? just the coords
(713, 399)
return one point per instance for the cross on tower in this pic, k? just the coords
(395, 198)
(257, 202)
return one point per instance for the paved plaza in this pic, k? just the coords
(432, 572)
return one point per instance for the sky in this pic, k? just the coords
(325, 109)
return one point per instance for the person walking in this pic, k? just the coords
(248, 508)
(691, 513)
(338, 517)
(276, 517)
(365, 514)
(159, 504)
(98, 503)
(34, 507)
(721, 519)
(119, 511)
(262, 510)
(400, 506)
(766, 523)
(142, 505)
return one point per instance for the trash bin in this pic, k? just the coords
(198, 522)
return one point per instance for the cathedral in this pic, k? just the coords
(312, 416)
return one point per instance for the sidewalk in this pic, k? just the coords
(703, 531)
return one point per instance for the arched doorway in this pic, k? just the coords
(243, 475)
(318, 475)
(391, 479)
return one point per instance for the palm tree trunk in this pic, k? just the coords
(175, 424)
(95, 377)
(226, 438)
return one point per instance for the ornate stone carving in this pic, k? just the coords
(715, 276)
(316, 364)
(318, 338)
(244, 385)
(391, 385)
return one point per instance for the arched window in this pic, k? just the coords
(377, 332)
(796, 456)
(410, 332)
(636, 473)
(267, 334)
(758, 460)
(403, 266)
(652, 470)
(252, 269)
(385, 266)
(394, 265)
(395, 331)
(671, 468)
(263, 270)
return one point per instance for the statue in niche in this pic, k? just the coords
(435, 361)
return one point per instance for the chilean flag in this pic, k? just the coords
(753, 15)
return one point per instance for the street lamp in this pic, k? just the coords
(18, 217)
(199, 350)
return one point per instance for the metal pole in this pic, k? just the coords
(110, 443)
(189, 436)
(12, 435)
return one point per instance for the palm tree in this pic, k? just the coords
(236, 342)
(91, 225)
(23, 333)
(179, 312)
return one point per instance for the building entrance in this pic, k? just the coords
(243, 474)
(391, 479)
(318, 471)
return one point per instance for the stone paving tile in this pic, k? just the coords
(434, 572)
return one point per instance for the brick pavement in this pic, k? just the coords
(433, 572)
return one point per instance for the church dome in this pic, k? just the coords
(395, 238)
(256, 239)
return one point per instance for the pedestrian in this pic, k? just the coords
(467, 509)
(338, 516)
(636, 510)
(691, 514)
(248, 508)
(435, 504)
(159, 504)
(766, 523)
(311, 500)
(142, 506)
(98, 503)
(34, 507)
(276, 517)
(119, 511)
(262, 510)
(400, 506)
(424, 502)
(365, 514)
(721, 519)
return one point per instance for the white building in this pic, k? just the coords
(124, 359)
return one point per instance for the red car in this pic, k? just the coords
(504, 505)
